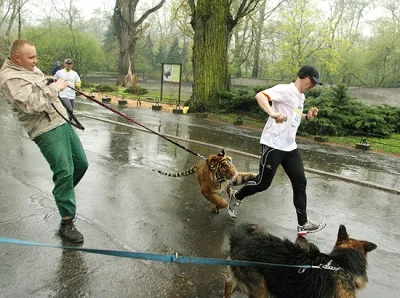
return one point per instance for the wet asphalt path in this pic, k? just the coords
(124, 205)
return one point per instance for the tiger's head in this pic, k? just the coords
(221, 165)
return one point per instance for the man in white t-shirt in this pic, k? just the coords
(278, 144)
(67, 96)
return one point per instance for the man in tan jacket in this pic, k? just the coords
(41, 113)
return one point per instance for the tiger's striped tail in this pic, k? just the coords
(190, 171)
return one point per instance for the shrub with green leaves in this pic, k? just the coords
(236, 100)
(195, 106)
(136, 90)
(104, 88)
(87, 85)
(339, 115)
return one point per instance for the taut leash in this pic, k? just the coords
(168, 258)
(137, 123)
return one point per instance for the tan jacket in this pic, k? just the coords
(27, 92)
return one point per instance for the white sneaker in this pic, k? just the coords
(310, 227)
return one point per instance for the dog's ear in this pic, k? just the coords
(342, 236)
(369, 246)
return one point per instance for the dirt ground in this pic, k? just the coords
(142, 104)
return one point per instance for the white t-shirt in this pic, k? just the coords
(72, 77)
(288, 100)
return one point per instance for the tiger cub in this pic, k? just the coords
(216, 174)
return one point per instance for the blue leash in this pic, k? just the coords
(157, 257)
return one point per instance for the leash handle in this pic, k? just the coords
(137, 123)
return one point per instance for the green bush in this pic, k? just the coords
(315, 92)
(105, 88)
(87, 85)
(390, 115)
(339, 115)
(136, 90)
(241, 101)
(195, 106)
(236, 100)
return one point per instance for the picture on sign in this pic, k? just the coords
(171, 73)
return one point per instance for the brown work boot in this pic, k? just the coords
(69, 232)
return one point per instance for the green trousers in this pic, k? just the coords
(64, 152)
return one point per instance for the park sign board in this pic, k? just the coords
(171, 73)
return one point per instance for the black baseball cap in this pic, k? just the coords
(68, 61)
(311, 72)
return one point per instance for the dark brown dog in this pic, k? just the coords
(344, 271)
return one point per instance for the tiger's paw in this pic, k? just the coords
(214, 209)
(253, 177)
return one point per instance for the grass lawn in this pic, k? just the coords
(389, 145)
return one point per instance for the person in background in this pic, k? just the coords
(38, 108)
(68, 95)
(278, 144)
(56, 68)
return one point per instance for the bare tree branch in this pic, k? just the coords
(151, 10)
(246, 7)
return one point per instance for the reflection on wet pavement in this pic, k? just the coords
(124, 205)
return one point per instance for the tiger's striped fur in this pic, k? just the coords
(215, 175)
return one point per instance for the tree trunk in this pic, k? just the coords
(257, 44)
(210, 52)
(128, 29)
(15, 8)
(127, 48)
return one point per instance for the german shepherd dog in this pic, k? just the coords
(338, 274)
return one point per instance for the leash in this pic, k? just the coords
(137, 123)
(73, 121)
(162, 258)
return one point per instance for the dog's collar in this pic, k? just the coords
(328, 266)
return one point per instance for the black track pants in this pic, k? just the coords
(293, 166)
